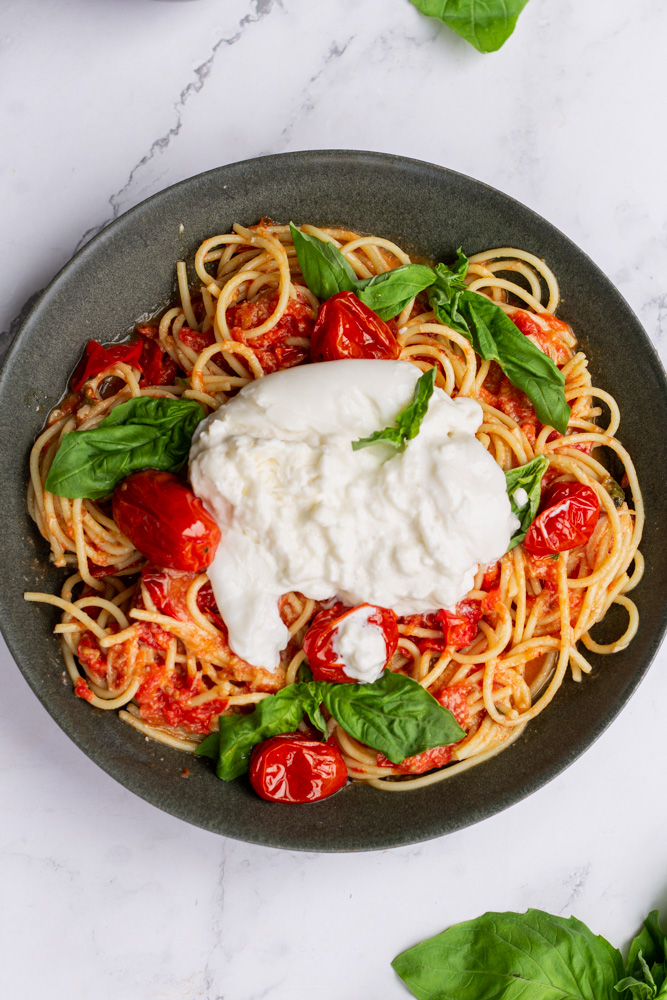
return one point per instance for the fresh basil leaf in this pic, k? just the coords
(389, 435)
(512, 956)
(486, 24)
(445, 293)
(526, 366)
(408, 420)
(239, 734)
(324, 268)
(311, 696)
(388, 293)
(638, 989)
(495, 338)
(146, 432)
(209, 747)
(304, 673)
(647, 963)
(394, 715)
(529, 478)
(651, 942)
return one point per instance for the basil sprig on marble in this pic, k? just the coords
(146, 432)
(326, 271)
(512, 956)
(395, 715)
(495, 338)
(646, 969)
(486, 24)
(408, 420)
(529, 478)
(534, 956)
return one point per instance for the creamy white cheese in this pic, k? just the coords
(520, 497)
(360, 646)
(299, 509)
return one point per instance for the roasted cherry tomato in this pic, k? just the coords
(96, 359)
(157, 367)
(569, 515)
(294, 767)
(165, 521)
(460, 625)
(427, 760)
(279, 347)
(346, 328)
(318, 643)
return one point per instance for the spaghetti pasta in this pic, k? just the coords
(151, 642)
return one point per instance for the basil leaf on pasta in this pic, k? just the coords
(408, 420)
(324, 268)
(146, 432)
(529, 479)
(394, 715)
(237, 735)
(389, 293)
(495, 338)
(326, 271)
(512, 956)
(485, 24)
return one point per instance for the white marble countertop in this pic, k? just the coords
(107, 102)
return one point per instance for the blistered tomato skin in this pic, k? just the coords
(293, 767)
(318, 642)
(346, 328)
(570, 513)
(165, 521)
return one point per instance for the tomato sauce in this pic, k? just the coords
(272, 348)
(547, 333)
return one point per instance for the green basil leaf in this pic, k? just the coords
(526, 366)
(495, 338)
(239, 734)
(388, 293)
(651, 942)
(644, 989)
(389, 435)
(324, 268)
(311, 696)
(647, 963)
(445, 293)
(512, 956)
(209, 747)
(408, 420)
(529, 478)
(394, 715)
(146, 432)
(486, 24)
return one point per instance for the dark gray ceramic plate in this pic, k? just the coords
(129, 270)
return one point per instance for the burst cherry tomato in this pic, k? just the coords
(346, 328)
(294, 767)
(460, 625)
(165, 521)
(96, 359)
(157, 367)
(318, 643)
(570, 513)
